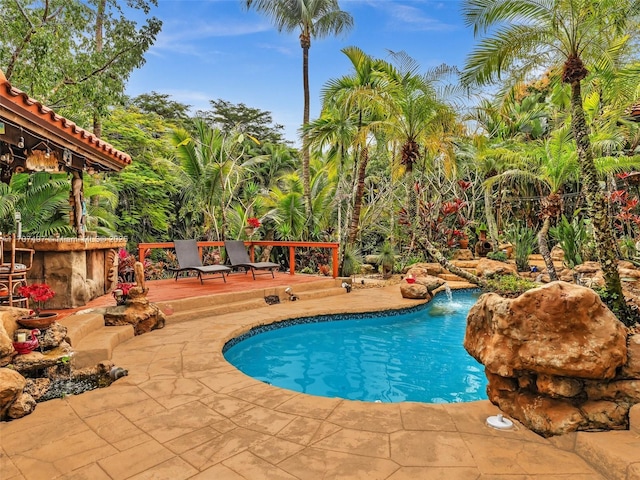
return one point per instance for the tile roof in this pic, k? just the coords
(67, 133)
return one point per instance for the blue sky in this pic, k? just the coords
(211, 49)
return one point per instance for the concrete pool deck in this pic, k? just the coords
(184, 412)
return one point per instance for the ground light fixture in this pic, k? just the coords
(499, 422)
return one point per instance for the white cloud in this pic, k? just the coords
(187, 38)
(409, 15)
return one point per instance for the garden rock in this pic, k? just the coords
(553, 357)
(414, 291)
(557, 254)
(11, 386)
(463, 254)
(36, 360)
(632, 368)
(137, 310)
(23, 405)
(487, 268)
(430, 282)
(52, 336)
(6, 347)
(424, 269)
(37, 387)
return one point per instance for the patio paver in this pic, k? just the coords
(184, 412)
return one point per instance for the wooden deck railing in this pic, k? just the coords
(143, 248)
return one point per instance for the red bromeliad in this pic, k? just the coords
(38, 293)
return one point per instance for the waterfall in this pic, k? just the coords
(447, 289)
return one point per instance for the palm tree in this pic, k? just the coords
(314, 19)
(213, 169)
(420, 125)
(560, 35)
(352, 109)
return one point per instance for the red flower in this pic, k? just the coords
(618, 196)
(464, 185)
(253, 222)
(125, 287)
(37, 292)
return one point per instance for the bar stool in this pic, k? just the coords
(13, 273)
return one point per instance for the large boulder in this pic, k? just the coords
(424, 269)
(432, 283)
(557, 329)
(137, 311)
(556, 358)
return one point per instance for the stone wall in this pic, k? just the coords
(556, 359)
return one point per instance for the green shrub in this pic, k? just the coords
(524, 241)
(510, 285)
(351, 262)
(499, 256)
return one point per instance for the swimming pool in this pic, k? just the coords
(414, 355)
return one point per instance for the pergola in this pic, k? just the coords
(34, 138)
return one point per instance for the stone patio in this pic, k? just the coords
(184, 412)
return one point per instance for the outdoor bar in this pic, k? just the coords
(33, 138)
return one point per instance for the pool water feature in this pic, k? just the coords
(415, 355)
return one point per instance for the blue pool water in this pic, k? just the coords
(415, 356)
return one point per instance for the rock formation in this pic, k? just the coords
(137, 310)
(556, 358)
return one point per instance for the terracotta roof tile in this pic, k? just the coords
(45, 114)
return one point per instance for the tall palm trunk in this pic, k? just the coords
(543, 246)
(606, 247)
(492, 225)
(354, 225)
(305, 41)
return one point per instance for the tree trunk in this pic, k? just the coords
(605, 243)
(357, 198)
(491, 219)
(306, 176)
(543, 246)
(97, 121)
(441, 259)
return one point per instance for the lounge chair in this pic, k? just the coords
(189, 260)
(239, 258)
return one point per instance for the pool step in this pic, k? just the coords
(186, 314)
(93, 342)
(99, 344)
(80, 325)
(189, 308)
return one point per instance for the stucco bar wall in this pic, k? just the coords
(78, 270)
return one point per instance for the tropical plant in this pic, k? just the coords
(213, 168)
(351, 262)
(560, 35)
(524, 241)
(572, 237)
(510, 285)
(313, 18)
(75, 56)
(386, 259)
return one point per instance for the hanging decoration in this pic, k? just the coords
(42, 161)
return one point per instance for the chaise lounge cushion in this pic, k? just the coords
(239, 258)
(189, 260)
